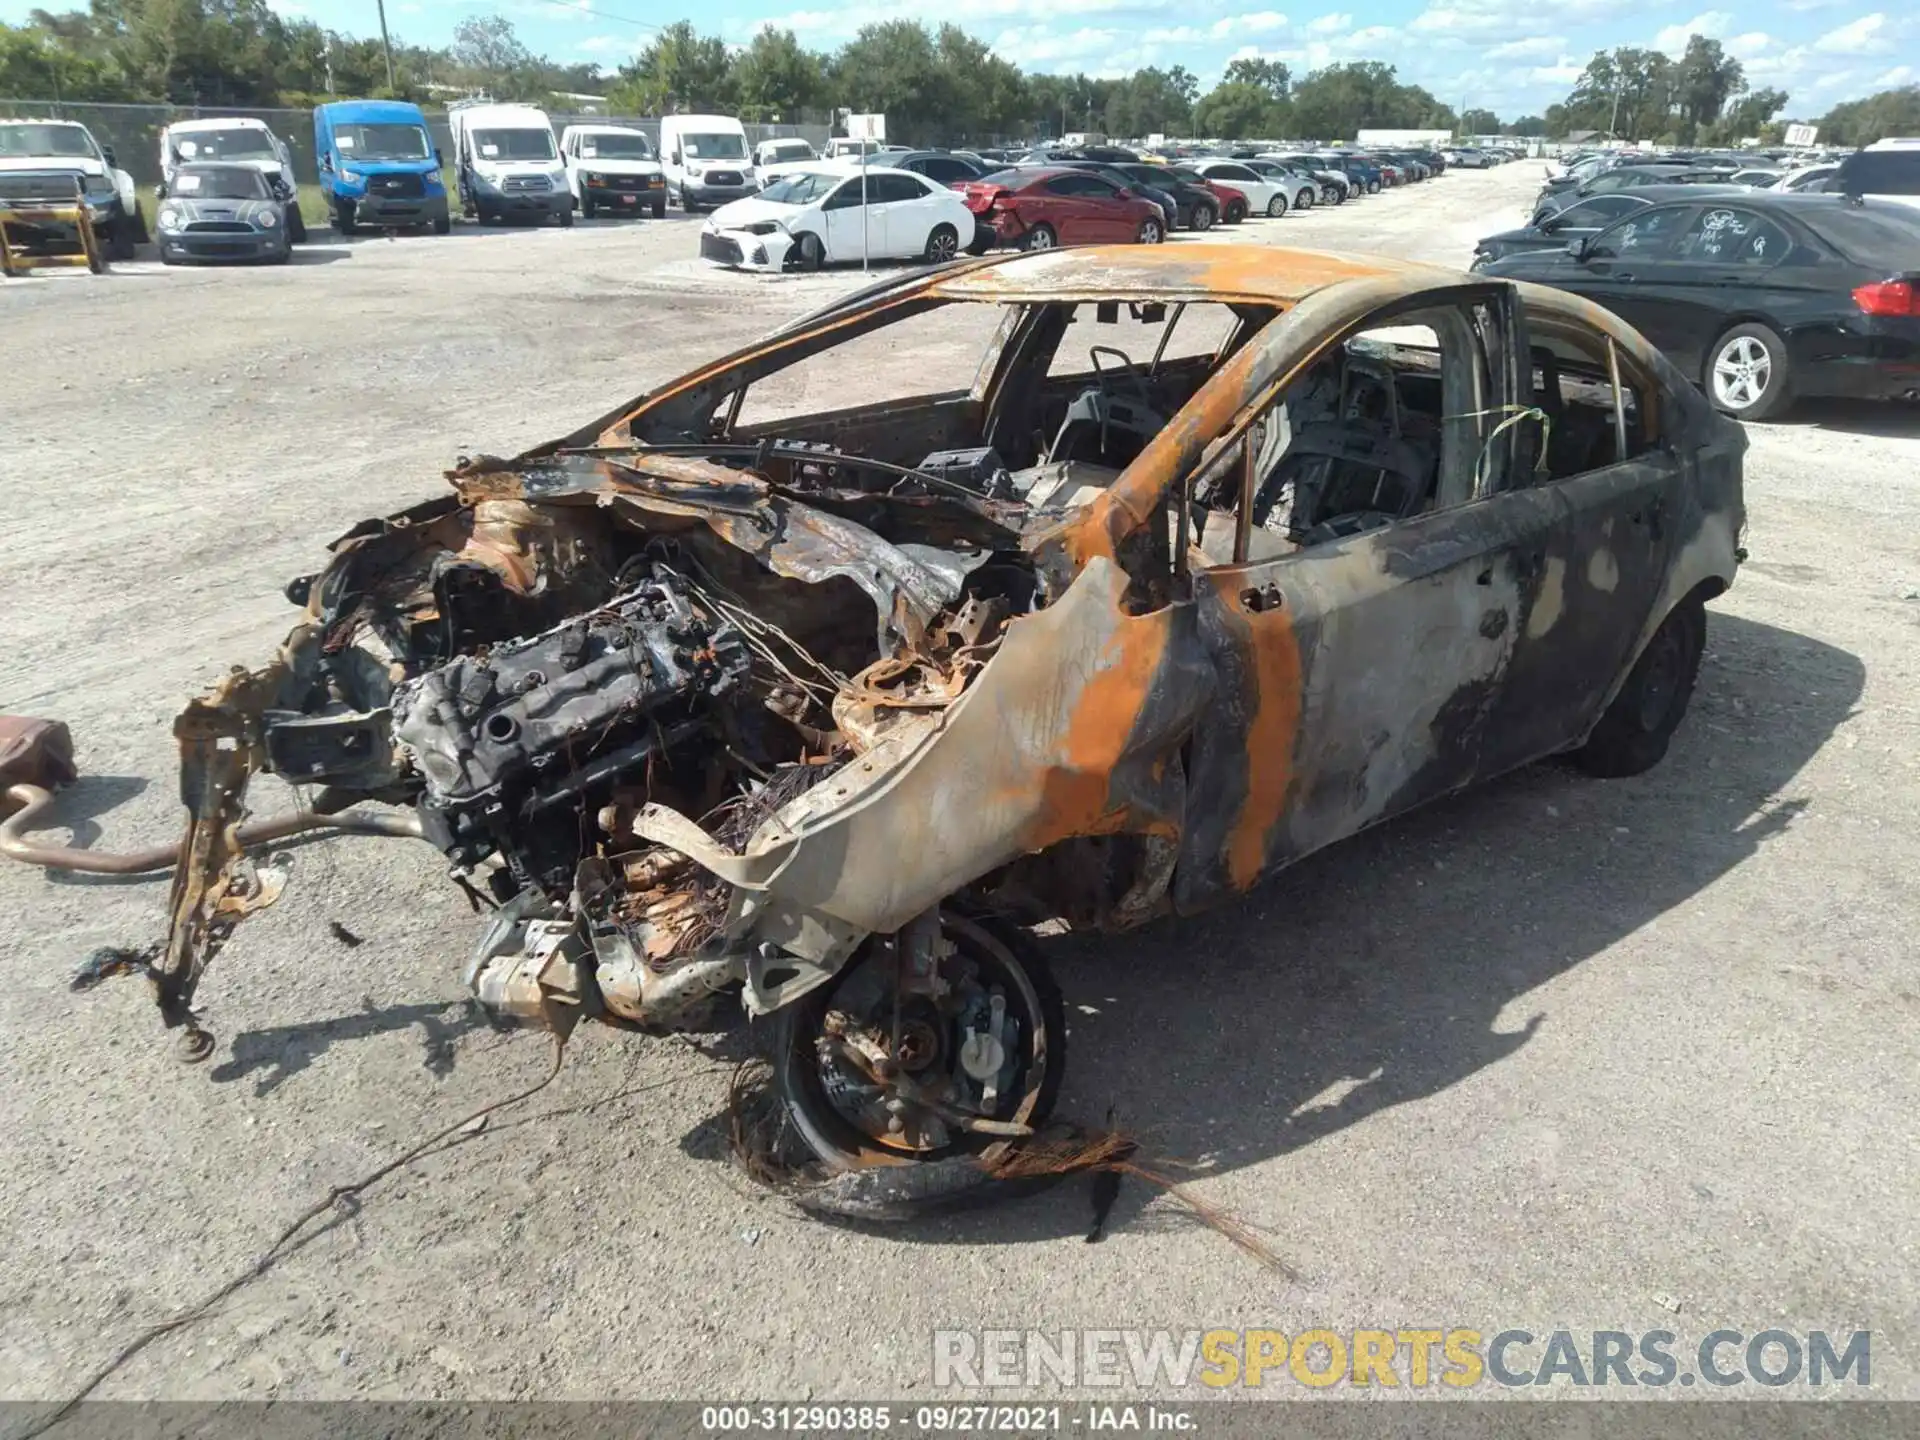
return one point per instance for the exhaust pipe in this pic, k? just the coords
(33, 799)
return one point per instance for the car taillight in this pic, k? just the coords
(1888, 297)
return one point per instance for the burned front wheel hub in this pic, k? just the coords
(895, 1061)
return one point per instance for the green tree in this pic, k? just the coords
(1529, 126)
(775, 79)
(1479, 122)
(1707, 78)
(1236, 110)
(1271, 76)
(680, 70)
(1861, 122)
(1334, 103)
(893, 68)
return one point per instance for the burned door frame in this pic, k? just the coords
(1353, 678)
(1599, 569)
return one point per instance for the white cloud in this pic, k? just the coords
(1330, 24)
(1537, 47)
(1866, 36)
(607, 45)
(1713, 24)
(1562, 75)
(1750, 45)
(1483, 20)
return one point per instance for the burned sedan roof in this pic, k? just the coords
(1256, 274)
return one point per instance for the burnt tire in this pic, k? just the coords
(1748, 373)
(1632, 735)
(841, 1147)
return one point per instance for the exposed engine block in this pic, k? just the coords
(532, 730)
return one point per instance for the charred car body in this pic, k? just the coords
(808, 710)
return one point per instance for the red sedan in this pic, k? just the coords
(1045, 206)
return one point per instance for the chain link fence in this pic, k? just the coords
(132, 132)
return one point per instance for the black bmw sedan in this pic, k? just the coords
(1761, 299)
(1584, 218)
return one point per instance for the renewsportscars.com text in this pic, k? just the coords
(1459, 1358)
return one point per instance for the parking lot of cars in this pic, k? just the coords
(1535, 1056)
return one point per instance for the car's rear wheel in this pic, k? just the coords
(1150, 233)
(1276, 207)
(1040, 237)
(1632, 736)
(943, 244)
(1203, 217)
(1304, 200)
(1748, 373)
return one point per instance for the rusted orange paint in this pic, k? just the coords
(1271, 732)
(1260, 273)
(1076, 787)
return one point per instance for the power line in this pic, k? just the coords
(585, 9)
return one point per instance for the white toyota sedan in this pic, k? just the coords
(823, 216)
(1264, 196)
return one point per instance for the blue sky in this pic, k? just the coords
(1512, 56)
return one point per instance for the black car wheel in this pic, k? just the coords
(943, 244)
(343, 217)
(1236, 211)
(851, 1117)
(121, 244)
(1203, 217)
(1748, 373)
(1632, 736)
(296, 224)
(1373, 187)
(586, 205)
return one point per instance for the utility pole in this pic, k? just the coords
(1613, 120)
(387, 45)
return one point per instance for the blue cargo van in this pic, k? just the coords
(378, 166)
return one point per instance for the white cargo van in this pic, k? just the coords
(507, 164)
(706, 159)
(612, 168)
(239, 140)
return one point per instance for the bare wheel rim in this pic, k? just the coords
(1742, 371)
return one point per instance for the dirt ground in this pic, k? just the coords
(1628, 1055)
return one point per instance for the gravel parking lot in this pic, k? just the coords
(1559, 1053)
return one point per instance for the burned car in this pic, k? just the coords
(1224, 555)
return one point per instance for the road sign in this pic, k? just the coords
(1802, 135)
(867, 127)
